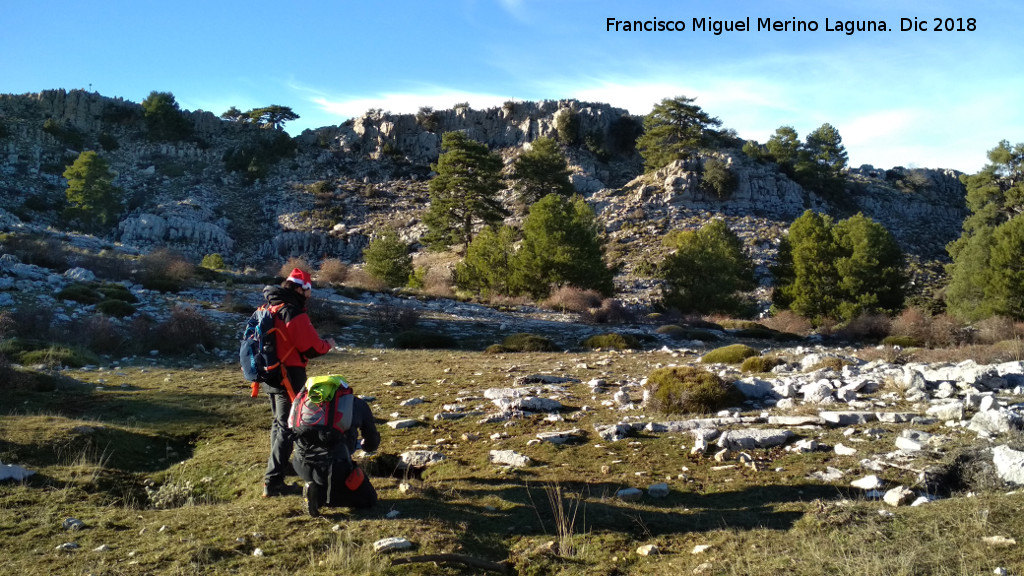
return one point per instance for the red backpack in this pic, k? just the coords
(334, 414)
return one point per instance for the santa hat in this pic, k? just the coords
(301, 278)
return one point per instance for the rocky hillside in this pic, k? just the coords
(230, 190)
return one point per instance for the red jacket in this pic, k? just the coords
(303, 341)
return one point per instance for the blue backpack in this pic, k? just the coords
(258, 354)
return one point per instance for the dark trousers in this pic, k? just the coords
(281, 438)
(330, 474)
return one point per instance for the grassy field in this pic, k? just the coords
(163, 464)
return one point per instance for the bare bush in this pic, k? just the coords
(107, 264)
(292, 263)
(912, 323)
(788, 321)
(866, 326)
(572, 299)
(8, 325)
(944, 330)
(165, 270)
(995, 329)
(394, 316)
(101, 335)
(363, 280)
(438, 282)
(611, 311)
(332, 271)
(186, 329)
(31, 320)
(46, 252)
(324, 315)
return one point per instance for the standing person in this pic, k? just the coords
(289, 302)
(327, 419)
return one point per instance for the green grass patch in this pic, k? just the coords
(524, 342)
(732, 354)
(689, 390)
(611, 341)
(761, 364)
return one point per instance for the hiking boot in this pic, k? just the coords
(275, 489)
(311, 499)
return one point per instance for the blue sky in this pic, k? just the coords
(924, 99)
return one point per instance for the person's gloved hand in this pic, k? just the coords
(365, 452)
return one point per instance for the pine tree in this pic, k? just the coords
(92, 197)
(463, 192)
(388, 259)
(707, 271)
(561, 246)
(673, 130)
(488, 265)
(540, 171)
(983, 275)
(838, 271)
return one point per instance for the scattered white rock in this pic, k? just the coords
(1009, 464)
(647, 550)
(999, 541)
(869, 482)
(659, 490)
(508, 458)
(700, 548)
(13, 472)
(391, 544)
(404, 423)
(843, 450)
(420, 458)
(629, 494)
(898, 496)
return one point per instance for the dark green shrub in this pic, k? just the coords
(761, 364)
(115, 308)
(902, 341)
(685, 389)
(732, 354)
(108, 142)
(497, 349)
(718, 179)
(524, 342)
(670, 330)
(117, 292)
(417, 339)
(611, 341)
(428, 119)
(567, 124)
(80, 293)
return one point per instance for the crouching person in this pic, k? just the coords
(327, 419)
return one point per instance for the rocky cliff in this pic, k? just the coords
(371, 170)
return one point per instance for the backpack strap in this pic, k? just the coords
(288, 387)
(343, 402)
